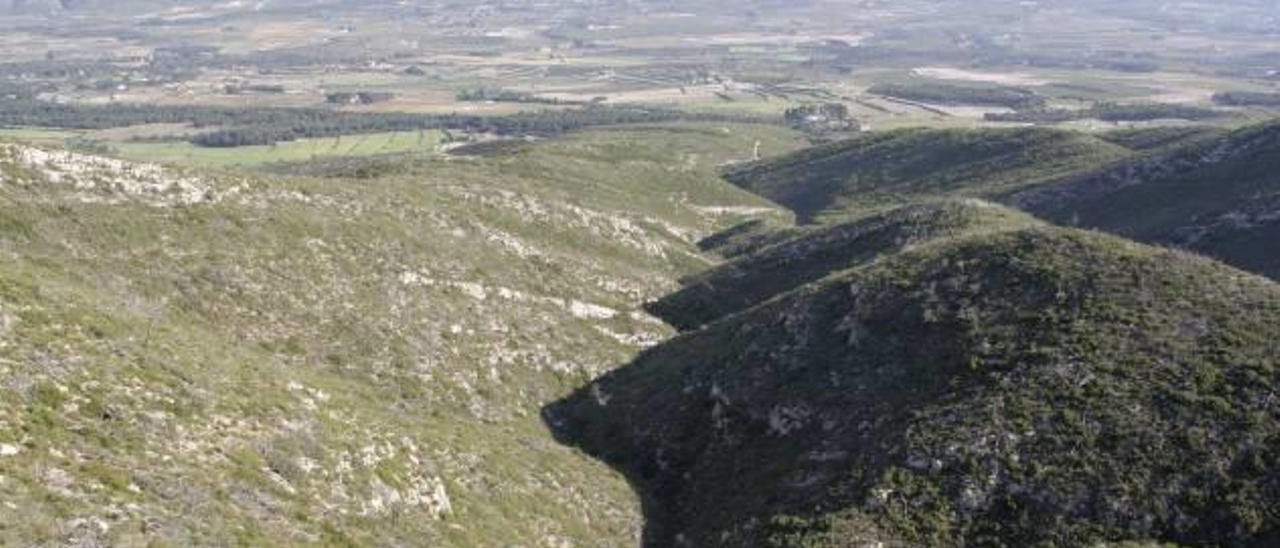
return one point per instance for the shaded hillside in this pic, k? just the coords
(1217, 196)
(1038, 386)
(883, 170)
(760, 275)
(748, 237)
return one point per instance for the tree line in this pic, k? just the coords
(1247, 99)
(233, 127)
(510, 96)
(952, 94)
(1108, 112)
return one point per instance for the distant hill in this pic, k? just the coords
(884, 170)
(1214, 191)
(1034, 386)
(1219, 196)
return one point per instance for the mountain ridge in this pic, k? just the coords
(792, 262)
(1214, 192)
(880, 171)
(933, 398)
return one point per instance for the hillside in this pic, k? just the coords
(1209, 190)
(1218, 196)
(205, 358)
(748, 237)
(639, 273)
(883, 170)
(755, 277)
(1151, 139)
(1037, 386)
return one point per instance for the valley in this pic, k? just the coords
(579, 273)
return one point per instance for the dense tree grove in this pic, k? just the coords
(13, 92)
(1108, 112)
(985, 52)
(826, 111)
(820, 118)
(252, 89)
(75, 116)
(498, 95)
(1247, 99)
(1111, 60)
(264, 126)
(531, 123)
(358, 97)
(953, 94)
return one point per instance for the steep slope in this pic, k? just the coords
(760, 275)
(194, 358)
(748, 237)
(884, 170)
(1219, 196)
(1039, 386)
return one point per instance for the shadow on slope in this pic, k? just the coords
(1217, 196)
(1037, 386)
(761, 274)
(748, 237)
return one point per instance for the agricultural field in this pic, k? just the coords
(716, 57)
(404, 142)
(39, 136)
(122, 144)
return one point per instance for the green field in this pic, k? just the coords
(184, 153)
(294, 151)
(37, 136)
